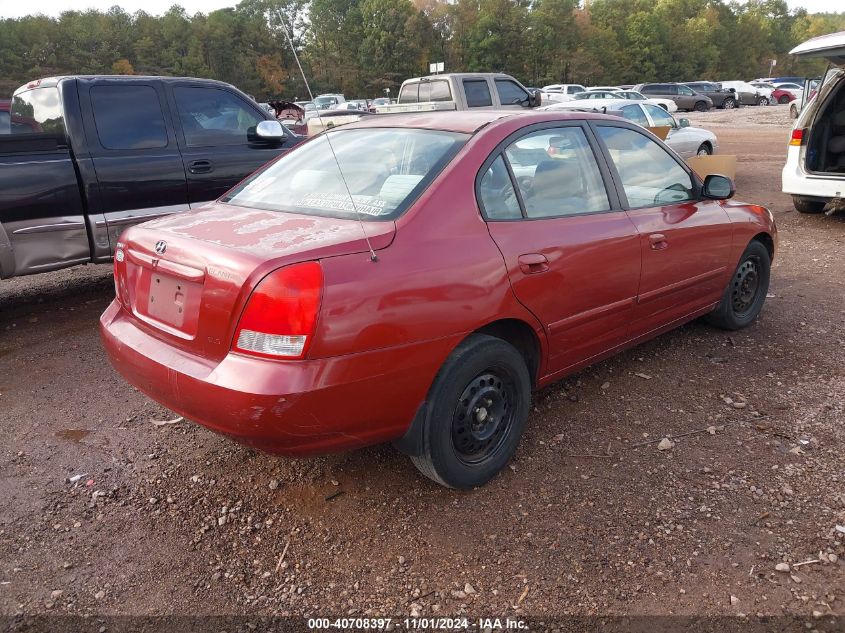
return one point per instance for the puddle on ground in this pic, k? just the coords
(74, 435)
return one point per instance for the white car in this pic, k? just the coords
(687, 141)
(633, 95)
(748, 94)
(814, 173)
(795, 89)
(558, 93)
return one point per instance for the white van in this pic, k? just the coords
(815, 162)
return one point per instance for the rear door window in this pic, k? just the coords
(211, 116)
(38, 111)
(128, 117)
(478, 93)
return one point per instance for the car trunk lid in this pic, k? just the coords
(188, 277)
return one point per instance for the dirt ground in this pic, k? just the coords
(173, 519)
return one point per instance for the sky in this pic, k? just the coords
(18, 8)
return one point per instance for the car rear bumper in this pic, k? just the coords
(796, 181)
(285, 407)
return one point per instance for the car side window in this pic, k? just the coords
(660, 116)
(128, 117)
(211, 116)
(649, 174)
(496, 193)
(477, 92)
(685, 90)
(557, 173)
(634, 113)
(510, 93)
(574, 90)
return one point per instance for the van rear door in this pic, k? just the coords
(830, 47)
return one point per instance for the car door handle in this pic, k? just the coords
(532, 263)
(200, 167)
(658, 241)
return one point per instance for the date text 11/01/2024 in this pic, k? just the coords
(448, 624)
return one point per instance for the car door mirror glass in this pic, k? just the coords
(718, 187)
(269, 130)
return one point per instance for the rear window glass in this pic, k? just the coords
(128, 117)
(38, 111)
(400, 164)
(477, 92)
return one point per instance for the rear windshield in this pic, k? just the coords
(384, 170)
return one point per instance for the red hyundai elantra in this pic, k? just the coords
(412, 278)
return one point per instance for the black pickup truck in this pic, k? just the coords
(83, 157)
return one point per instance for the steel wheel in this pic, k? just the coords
(745, 286)
(482, 416)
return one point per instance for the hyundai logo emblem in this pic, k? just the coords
(161, 246)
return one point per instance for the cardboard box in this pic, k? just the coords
(721, 164)
(661, 131)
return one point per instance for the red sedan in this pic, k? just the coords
(783, 96)
(412, 278)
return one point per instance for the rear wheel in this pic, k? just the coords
(475, 413)
(700, 106)
(783, 100)
(807, 205)
(762, 101)
(729, 104)
(746, 292)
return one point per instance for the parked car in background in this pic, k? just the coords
(326, 101)
(794, 89)
(555, 93)
(687, 141)
(666, 104)
(380, 101)
(684, 97)
(792, 80)
(815, 161)
(720, 97)
(90, 155)
(462, 91)
(316, 309)
(773, 92)
(745, 93)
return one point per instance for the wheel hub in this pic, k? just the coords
(481, 416)
(746, 282)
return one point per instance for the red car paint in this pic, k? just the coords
(385, 328)
(780, 93)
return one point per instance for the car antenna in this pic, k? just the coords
(373, 256)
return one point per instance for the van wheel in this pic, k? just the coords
(700, 106)
(783, 100)
(729, 104)
(806, 205)
(475, 413)
(746, 291)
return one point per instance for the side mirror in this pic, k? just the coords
(534, 98)
(683, 123)
(718, 187)
(269, 131)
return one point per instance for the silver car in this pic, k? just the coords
(687, 141)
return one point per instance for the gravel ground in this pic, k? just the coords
(106, 512)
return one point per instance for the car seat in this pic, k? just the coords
(558, 189)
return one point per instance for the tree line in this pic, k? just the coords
(361, 47)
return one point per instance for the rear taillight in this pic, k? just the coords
(797, 137)
(281, 313)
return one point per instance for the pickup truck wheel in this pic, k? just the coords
(700, 106)
(806, 205)
(783, 100)
(475, 412)
(746, 291)
(729, 104)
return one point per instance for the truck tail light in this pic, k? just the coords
(797, 137)
(281, 313)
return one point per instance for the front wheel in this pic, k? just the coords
(746, 292)
(783, 100)
(475, 413)
(700, 106)
(729, 104)
(762, 101)
(704, 150)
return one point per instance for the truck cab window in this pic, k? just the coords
(211, 116)
(37, 111)
(128, 117)
(478, 93)
(510, 93)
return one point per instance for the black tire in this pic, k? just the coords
(783, 100)
(704, 150)
(700, 106)
(746, 291)
(475, 413)
(729, 103)
(762, 101)
(793, 111)
(806, 205)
